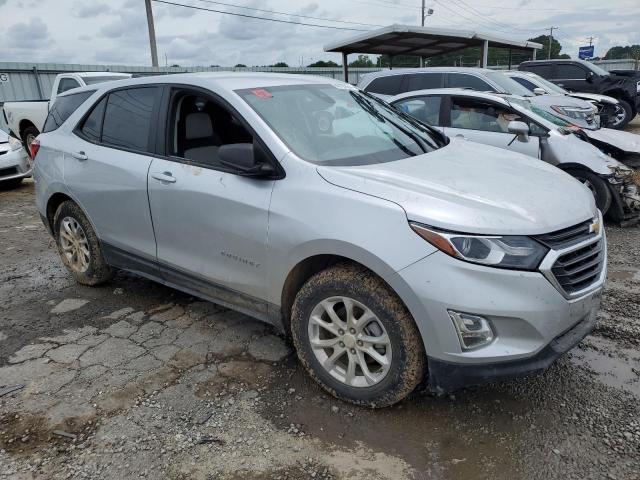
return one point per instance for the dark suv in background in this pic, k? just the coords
(582, 76)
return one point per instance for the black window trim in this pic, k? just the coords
(163, 129)
(153, 127)
(447, 116)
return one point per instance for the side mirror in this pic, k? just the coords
(590, 77)
(520, 130)
(539, 91)
(242, 158)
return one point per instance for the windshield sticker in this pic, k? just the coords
(262, 93)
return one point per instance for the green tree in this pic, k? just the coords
(240, 65)
(279, 64)
(618, 52)
(363, 61)
(322, 63)
(555, 47)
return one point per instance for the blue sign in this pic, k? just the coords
(586, 52)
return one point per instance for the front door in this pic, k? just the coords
(210, 224)
(483, 121)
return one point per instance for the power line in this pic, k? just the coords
(289, 14)
(464, 5)
(257, 17)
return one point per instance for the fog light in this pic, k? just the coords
(473, 331)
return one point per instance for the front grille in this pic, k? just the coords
(5, 172)
(567, 236)
(579, 268)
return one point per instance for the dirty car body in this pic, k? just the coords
(262, 192)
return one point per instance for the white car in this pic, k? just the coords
(608, 107)
(15, 165)
(26, 119)
(515, 124)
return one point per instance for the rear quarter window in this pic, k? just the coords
(463, 80)
(62, 109)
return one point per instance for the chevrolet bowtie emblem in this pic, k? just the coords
(595, 227)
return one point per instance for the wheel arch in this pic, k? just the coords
(23, 125)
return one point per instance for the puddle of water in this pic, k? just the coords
(615, 371)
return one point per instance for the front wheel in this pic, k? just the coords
(28, 136)
(622, 114)
(356, 338)
(78, 246)
(599, 188)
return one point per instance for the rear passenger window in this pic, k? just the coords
(127, 119)
(424, 81)
(389, 85)
(62, 109)
(525, 83)
(92, 126)
(545, 71)
(463, 80)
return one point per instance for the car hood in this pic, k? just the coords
(625, 141)
(594, 96)
(546, 101)
(4, 137)
(468, 187)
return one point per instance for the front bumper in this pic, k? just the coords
(533, 320)
(14, 164)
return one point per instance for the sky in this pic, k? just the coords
(115, 31)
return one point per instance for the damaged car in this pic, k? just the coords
(516, 124)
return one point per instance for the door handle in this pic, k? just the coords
(79, 155)
(165, 177)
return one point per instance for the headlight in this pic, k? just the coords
(509, 251)
(14, 143)
(620, 172)
(573, 112)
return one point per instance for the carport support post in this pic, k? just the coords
(345, 67)
(510, 59)
(485, 54)
(534, 54)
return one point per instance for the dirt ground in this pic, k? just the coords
(135, 380)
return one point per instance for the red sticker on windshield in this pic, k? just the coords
(261, 93)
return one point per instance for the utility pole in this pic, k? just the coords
(152, 34)
(590, 40)
(425, 13)
(550, 42)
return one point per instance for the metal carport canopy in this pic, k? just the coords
(423, 42)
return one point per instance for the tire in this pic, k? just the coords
(29, 134)
(369, 295)
(599, 187)
(90, 268)
(11, 184)
(628, 109)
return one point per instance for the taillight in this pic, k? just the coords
(33, 148)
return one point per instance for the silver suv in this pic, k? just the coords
(388, 252)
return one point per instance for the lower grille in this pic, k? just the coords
(580, 268)
(5, 172)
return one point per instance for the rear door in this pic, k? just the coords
(484, 121)
(106, 169)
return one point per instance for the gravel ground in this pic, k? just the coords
(135, 380)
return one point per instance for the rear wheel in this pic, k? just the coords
(78, 246)
(356, 338)
(598, 187)
(28, 136)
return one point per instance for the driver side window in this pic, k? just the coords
(477, 114)
(199, 126)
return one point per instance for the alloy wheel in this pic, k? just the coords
(350, 342)
(74, 244)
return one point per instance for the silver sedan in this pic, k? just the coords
(14, 161)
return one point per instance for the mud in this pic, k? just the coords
(157, 384)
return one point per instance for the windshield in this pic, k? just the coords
(550, 86)
(335, 124)
(549, 117)
(509, 85)
(94, 80)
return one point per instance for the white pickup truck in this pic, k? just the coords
(26, 119)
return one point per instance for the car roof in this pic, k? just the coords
(454, 91)
(103, 74)
(228, 81)
(399, 71)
